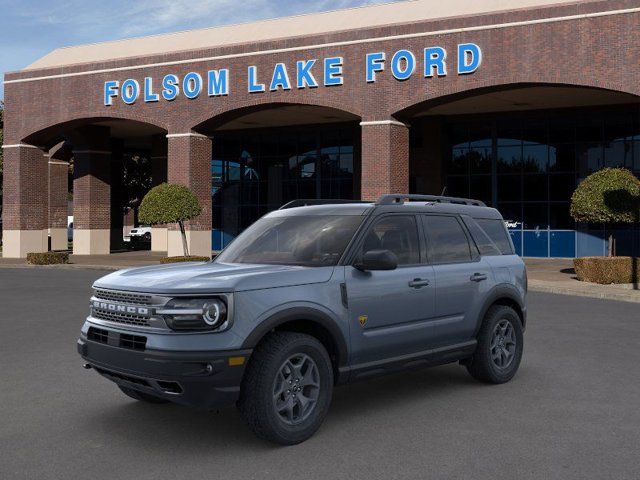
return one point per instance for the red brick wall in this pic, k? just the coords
(58, 187)
(600, 51)
(385, 160)
(91, 190)
(25, 189)
(190, 165)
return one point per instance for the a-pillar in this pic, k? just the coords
(58, 192)
(189, 164)
(385, 158)
(91, 192)
(24, 201)
(158, 175)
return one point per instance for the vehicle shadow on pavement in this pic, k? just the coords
(173, 426)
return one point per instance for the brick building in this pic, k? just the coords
(512, 106)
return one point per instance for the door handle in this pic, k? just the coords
(418, 282)
(478, 277)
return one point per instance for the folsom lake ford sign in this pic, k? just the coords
(310, 73)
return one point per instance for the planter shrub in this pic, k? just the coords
(191, 258)
(607, 270)
(608, 196)
(170, 203)
(47, 258)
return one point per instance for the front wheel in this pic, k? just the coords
(500, 344)
(287, 388)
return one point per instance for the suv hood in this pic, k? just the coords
(207, 277)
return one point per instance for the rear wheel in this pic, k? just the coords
(287, 388)
(141, 396)
(500, 344)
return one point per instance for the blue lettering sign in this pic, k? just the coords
(170, 87)
(434, 58)
(110, 92)
(149, 96)
(403, 64)
(375, 63)
(333, 71)
(254, 86)
(469, 58)
(304, 76)
(280, 78)
(192, 85)
(218, 82)
(130, 91)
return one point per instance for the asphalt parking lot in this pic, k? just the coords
(571, 412)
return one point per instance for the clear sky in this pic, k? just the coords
(30, 29)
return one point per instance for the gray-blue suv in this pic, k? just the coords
(313, 295)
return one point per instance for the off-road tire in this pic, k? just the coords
(141, 396)
(481, 365)
(257, 404)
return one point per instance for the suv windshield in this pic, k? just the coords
(311, 241)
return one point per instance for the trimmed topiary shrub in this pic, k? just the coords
(607, 270)
(170, 203)
(611, 195)
(47, 258)
(190, 258)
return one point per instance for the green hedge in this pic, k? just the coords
(607, 270)
(610, 195)
(47, 258)
(191, 258)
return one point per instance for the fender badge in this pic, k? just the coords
(363, 319)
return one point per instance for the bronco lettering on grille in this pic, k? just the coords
(114, 307)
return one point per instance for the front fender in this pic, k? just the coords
(300, 311)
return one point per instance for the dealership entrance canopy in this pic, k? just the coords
(510, 102)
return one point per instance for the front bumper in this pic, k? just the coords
(203, 380)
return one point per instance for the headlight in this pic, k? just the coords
(195, 313)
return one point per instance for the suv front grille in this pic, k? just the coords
(122, 340)
(123, 297)
(133, 342)
(120, 317)
(98, 335)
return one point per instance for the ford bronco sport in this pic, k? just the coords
(313, 296)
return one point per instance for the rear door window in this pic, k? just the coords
(447, 240)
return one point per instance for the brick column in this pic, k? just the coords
(58, 191)
(91, 191)
(24, 201)
(189, 163)
(385, 158)
(116, 225)
(158, 175)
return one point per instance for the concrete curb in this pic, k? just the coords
(603, 292)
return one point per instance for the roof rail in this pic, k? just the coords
(396, 198)
(302, 202)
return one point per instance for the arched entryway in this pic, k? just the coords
(264, 156)
(113, 162)
(523, 149)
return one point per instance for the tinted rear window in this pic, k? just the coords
(497, 232)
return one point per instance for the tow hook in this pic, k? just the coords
(86, 366)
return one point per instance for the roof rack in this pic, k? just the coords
(302, 202)
(393, 198)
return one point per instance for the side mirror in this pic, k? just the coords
(377, 260)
